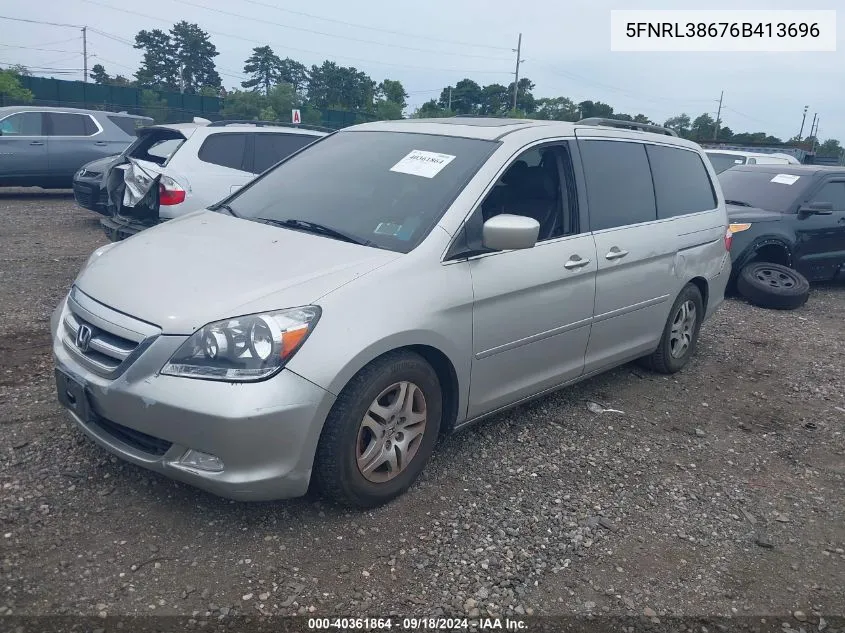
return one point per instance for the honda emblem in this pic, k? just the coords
(83, 338)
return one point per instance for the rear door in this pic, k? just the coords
(23, 147)
(223, 167)
(820, 243)
(635, 256)
(73, 139)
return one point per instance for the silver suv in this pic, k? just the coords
(389, 283)
(45, 147)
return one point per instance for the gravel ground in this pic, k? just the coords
(718, 491)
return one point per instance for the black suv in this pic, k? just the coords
(785, 219)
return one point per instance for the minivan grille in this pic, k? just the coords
(101, 339)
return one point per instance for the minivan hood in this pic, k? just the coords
(737, 213)
(206, 266)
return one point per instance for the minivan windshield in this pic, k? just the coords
(761, 189)
(721, 162)
(382, 189)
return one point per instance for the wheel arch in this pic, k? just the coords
(772, 250)
(454, 389)
(703, 288)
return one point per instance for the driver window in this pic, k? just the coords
(833, 192)
(531, 186)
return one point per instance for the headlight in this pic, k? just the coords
(245, 348)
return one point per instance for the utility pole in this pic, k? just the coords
(813, 124)
(516, 72)
(85, 53)
(803, 118)
(816, 136)
(450, 99)
(718, 117)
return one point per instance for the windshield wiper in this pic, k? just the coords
(737, 203)
(225, 207)
(314, 227)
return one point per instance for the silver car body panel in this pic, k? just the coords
(510, 325)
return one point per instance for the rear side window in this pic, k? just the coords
(226, 150)
(127, 124)
(681, 182)
(67, 124)
(619, 187)
(271, 148)
(156, 146)
(22, 124)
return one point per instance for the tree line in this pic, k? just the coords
(182, 59)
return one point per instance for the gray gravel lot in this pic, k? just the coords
(720, 490)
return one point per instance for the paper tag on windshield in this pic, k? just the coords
(421, 163)
(785, 179)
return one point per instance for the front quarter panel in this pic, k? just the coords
(413, 301)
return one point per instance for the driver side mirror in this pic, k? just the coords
(816, 208)
(510, 232)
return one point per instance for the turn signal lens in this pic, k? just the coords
(738, 228)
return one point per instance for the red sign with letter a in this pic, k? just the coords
(295, 117)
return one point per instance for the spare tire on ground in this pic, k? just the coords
(773, 286)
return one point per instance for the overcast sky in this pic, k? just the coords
(431, 44)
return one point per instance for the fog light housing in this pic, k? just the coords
(200, 461)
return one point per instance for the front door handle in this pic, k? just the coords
(101, 143)
(37, 143)
(615, 253)
(576, 262)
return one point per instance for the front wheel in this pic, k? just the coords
(380, 432)
(680, 334)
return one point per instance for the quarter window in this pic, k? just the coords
(619, 187)
(22, 124)
(681, 182)
(226, 150)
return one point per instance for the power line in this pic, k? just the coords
(304, 50)
(342, 37)
(376, 29)
(34, 48)
(70, 26)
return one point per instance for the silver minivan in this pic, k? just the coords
(391, 282)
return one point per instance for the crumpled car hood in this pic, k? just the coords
(207, 266)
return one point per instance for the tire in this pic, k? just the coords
(680, 334)
(348, 437)
(773, 286)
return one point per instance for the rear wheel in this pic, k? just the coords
(680, 334)
(380, 432)
(774, 286)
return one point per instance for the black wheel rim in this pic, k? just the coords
(776, 278)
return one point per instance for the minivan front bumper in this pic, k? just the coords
(264, 433)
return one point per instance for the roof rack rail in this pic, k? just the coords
(303, 126)
(631, 125)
